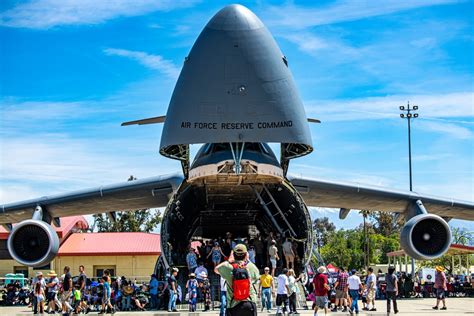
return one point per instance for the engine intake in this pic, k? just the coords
(33, 243)
(425, 237)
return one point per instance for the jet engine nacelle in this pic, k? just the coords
(425, 237)
(33, 243)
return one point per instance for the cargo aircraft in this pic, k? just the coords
(235, 94)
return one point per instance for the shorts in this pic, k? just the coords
(340, 294)
(440, 294)
(106, 300)
(281, 299)
(290, 257)
(65, 296)
(371, 295)
(50, 296)
(273, 262)
(321, 301)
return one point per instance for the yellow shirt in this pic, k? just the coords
(266, 280)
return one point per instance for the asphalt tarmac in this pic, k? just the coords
(416, 307)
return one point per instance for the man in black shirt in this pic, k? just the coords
(67, 291)
(82, 283)
(173, 289)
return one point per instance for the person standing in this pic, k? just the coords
(191, 260)
(293, 286)
(82, 283)
(216, 253)
(206, 292)
(391, 291)
(341, 290)
(106, 296)
(441, 287)
(354, 285)
(273, 254)
(241, 275)
(282, 293)
(67, 291)
(252, 254)
(40, 296)
(173, 290)
(371, 285)
(289, 253)
(154, 292)
(259, 252)
(321, 288)
(53, 286)
(223, 296)
(266, 289)
(191, 287)
(37, 280)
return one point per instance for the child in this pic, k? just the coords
(192, 286)
(364, 298)
(39, 294)
(106, 298)
(76, 293)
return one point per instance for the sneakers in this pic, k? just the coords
(443, 308)
(435, 307)
(344, 310)
(334, 310)
(373, 309)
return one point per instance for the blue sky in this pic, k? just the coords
(72, 71)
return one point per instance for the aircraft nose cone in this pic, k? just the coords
(235, 17)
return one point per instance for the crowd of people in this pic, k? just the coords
(243, 282)
(67, 295)
(273, 250)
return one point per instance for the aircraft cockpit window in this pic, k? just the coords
(207, 149)
(264, 149)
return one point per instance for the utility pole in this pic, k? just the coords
(409, 114)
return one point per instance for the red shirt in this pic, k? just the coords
(319, 281)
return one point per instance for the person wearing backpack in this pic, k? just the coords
(241, 276)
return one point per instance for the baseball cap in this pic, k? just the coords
(240, 248)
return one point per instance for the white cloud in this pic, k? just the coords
(155, 62)
(44, 14)
(299, 17)
(453, 130)
(449, 105)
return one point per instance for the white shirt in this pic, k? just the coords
(354, 282)
(36, 280)
(282, 282)
(292, 284)
(223, 285)
(371, 278)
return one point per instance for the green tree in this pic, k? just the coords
(144, 220)
(134, 221)
(322, 227)
(384, 223)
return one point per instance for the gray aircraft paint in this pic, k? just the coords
(235, 86)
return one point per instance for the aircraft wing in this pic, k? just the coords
(130, 195)
(323, 193)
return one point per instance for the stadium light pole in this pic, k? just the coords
(409, 114)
